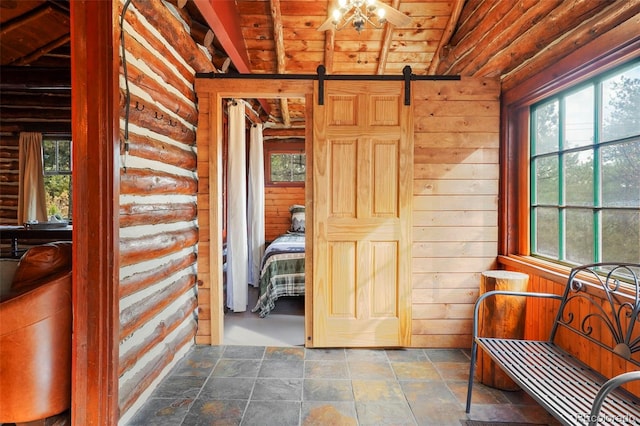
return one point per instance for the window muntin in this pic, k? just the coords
(57, 176)
(287, 167)
(585, 171)
(285, 162)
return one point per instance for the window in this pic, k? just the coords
(57, 176)
(285, 163)
(585, 171)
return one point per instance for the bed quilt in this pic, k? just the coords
(282, 271)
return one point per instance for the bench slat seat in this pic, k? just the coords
(557, 381)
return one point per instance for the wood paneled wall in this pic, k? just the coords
(9, 176)
(158, 185)
(277, 200)
(455, 223)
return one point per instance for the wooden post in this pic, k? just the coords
(501, 317)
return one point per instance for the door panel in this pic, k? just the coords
(363, 160)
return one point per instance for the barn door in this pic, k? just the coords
(363, 160)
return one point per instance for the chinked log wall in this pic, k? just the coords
(9, 180)
(158, 186)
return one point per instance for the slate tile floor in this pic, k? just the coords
(247, 385)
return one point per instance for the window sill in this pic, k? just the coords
(555, 273)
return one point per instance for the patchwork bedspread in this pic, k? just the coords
(282, 272)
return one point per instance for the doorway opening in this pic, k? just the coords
(272, 174)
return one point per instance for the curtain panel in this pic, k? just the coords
(31, 195)
(256, 203)
(237, 255)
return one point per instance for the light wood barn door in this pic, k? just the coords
(363, 170)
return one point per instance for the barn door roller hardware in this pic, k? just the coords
(321, 76)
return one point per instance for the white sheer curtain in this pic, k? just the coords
(256, 203)
(31, 198)
(237, 254)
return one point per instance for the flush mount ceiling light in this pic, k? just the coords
(358, 13)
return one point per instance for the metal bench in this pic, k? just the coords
(572, 392)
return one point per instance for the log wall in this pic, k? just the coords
(9, 177)
(158, 186)
(455, 216)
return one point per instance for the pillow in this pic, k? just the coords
(41, 261)
(297, 218)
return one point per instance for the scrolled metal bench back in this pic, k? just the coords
(617, 311)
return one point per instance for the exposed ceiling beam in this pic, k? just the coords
(223, 19)
(386, 41)
(278, 36)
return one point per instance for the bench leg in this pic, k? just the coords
(472, 371)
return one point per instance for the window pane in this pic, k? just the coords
(579, 118)
(546, 131)
(546, 231)
(546, 180)
(58, 195)
(49, 155)
(297, 167)
(621, 175)
(288, 167)
(620, 105)
(578, 169)
(64, 156)
(579, 236)
(620, 236)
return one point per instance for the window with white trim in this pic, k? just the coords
(585, 171)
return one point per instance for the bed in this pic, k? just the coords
(282, 267)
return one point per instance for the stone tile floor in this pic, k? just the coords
(249, 385)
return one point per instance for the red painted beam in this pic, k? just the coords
(224, 20)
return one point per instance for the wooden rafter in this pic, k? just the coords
(386, 41)
(278, 36)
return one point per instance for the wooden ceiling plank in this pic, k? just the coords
(281, 65)
(26, 19)
(446, 36)
(33, 56)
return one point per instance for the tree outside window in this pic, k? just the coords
(585, 171)
(285, 163)
(57, 176)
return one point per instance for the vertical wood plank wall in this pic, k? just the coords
(455, 205)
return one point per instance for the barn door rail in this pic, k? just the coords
(322, 76)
